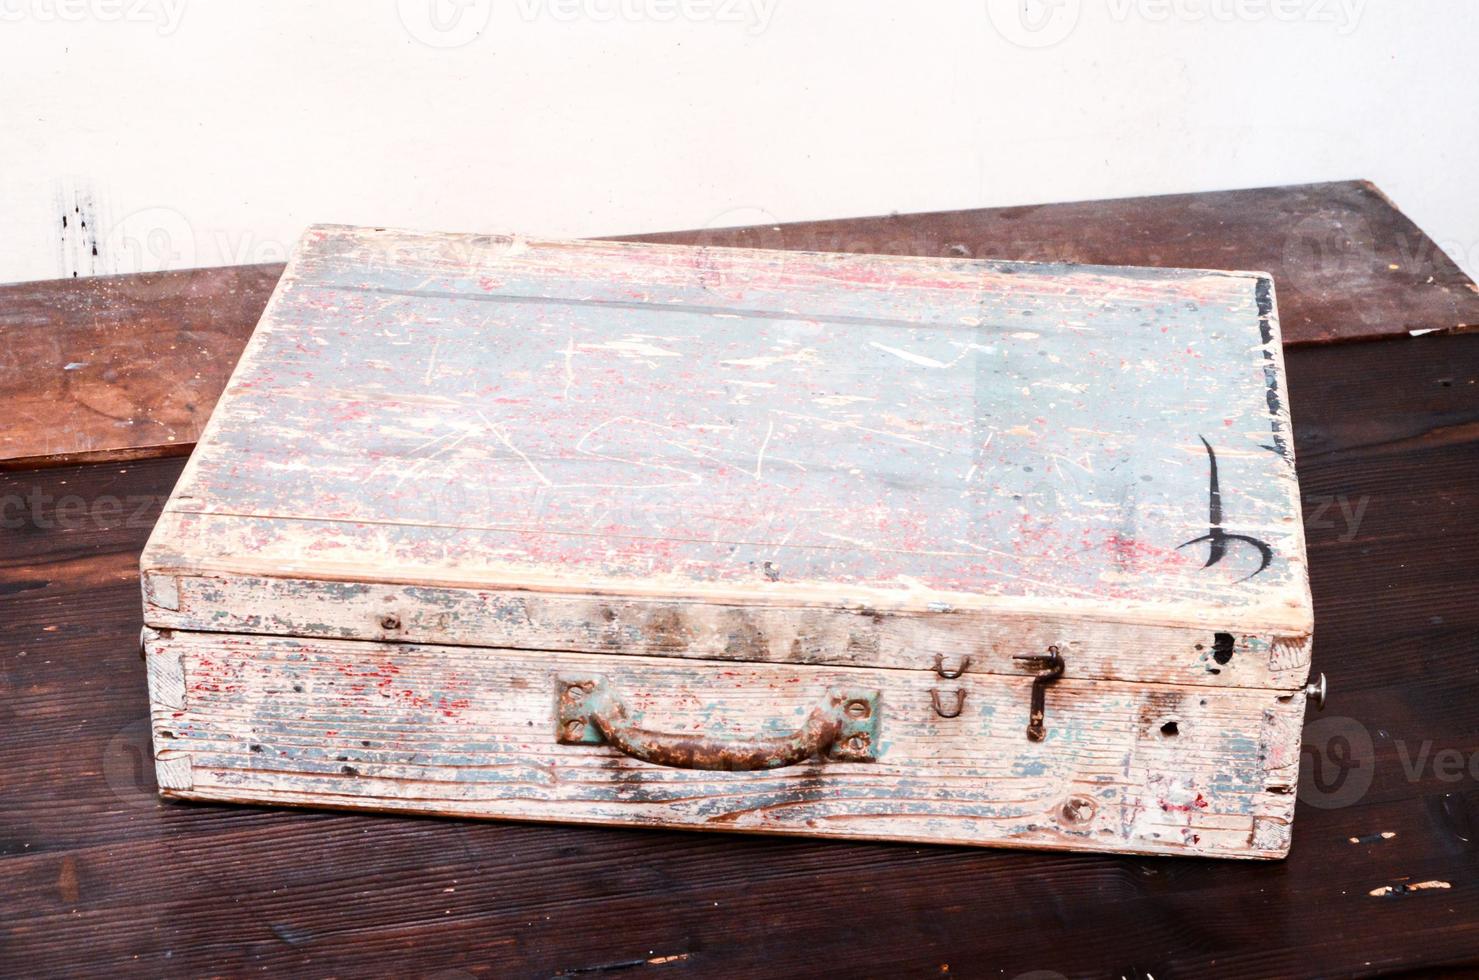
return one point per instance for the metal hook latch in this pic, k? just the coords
(1049, 668)
(950, 675)
(940, 707)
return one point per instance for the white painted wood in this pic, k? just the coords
(1142, 768)
(1100, 647)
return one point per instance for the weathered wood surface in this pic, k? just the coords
(862, 637)
(100, 877)
(120, 367)
(778, 429)
(1348, 265)
(470, 731)
(780, 449)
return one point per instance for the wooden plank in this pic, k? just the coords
(1140, 768)
(856, 637)
(120, 367)
(1331, 249)
(496, 414)
(1348, 264)
(100, 877)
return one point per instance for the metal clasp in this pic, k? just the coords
(1049, 668)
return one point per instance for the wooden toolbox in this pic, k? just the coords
(840, 545)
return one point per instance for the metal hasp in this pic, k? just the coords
(1049, 668)
(844, 727)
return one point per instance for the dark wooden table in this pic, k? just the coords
(97, 876)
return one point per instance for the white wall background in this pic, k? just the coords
(203, 132)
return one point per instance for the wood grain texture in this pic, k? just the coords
(857, 637)
(100, 877)
(1349, 265)
(1331, 249)
(470, 731)
(783, 429)
(120, 367)
(986, 453)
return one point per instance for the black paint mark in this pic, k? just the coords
(1216, 538)
(78, 246)
(1263, 295)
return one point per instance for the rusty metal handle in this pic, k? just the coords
(844, 727)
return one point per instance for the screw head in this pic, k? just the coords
(858, 709)
(390, 622)
(574, 730)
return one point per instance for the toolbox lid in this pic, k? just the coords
(783, 428)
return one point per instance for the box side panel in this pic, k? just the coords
(1215, 653)
(1150, 769)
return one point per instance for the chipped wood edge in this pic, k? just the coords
(1289, 618)
(692, 629)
